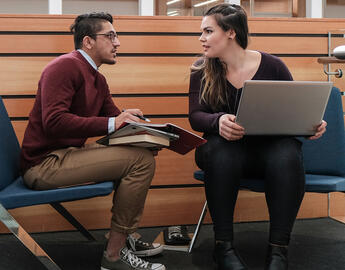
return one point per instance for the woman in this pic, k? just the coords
(215, 87)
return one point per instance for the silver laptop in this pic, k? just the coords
(282, 107)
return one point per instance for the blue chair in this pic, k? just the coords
(324, 159)
(14, 193)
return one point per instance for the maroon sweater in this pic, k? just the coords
(73, 103)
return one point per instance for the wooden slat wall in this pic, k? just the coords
(152, 73)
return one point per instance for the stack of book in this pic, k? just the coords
(154, 136)
(142, 140)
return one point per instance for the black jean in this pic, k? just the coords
(277, 160)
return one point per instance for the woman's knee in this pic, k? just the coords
(286, 150)
(217, 150)
(286, 159)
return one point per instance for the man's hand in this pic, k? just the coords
(128, 115)
(228, 129)
(321, 129)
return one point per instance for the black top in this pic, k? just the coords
(202, 118)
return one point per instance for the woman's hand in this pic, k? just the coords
(321, 129)
(228, 129)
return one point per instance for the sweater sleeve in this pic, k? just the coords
(201, 117)
(58, 85)
(284, 73)
(275, 69)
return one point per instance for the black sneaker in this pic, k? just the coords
(141, 248)
(128, 261)
(176, 235)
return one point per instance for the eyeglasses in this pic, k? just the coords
(111, 35)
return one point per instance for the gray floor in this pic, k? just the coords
(316, 244)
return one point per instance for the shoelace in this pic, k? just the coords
(134, 260)
(175, 231)
(133, 240)
(142, 243)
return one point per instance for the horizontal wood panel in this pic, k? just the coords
(289, 45)
(16, 22)
(337, 41)
(175, 169)
(29, 23)
(160, 44)
(21, 107)
(304, 68)
(36, 43)
(19, 128)
(149, 74)
(163, 207)
(294, 25)
(20, 75)
(155, 105)
(337, 204)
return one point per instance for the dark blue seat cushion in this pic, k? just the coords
(326, 155)
(18, 195)
(324, 183)
(9, 150)
(314, 183)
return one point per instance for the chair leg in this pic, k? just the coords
(26, 239)
(71, 219)
(329, 210)
(198, 226)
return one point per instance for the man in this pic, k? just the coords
(73, 103)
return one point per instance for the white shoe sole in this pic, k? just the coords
(149, 252)
(160, 268)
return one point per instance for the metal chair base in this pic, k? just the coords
(71, 219)
(198, 226)
(26, 239)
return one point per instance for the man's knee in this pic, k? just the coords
(145, 160)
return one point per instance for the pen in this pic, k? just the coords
(142, 118)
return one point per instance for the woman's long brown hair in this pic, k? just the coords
(227, 16)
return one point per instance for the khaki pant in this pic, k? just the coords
(131, 168)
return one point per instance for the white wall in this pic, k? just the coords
(118, 7)
(24, 6)
(334, 11)
(115, 7)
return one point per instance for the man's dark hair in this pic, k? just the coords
(88, 25)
